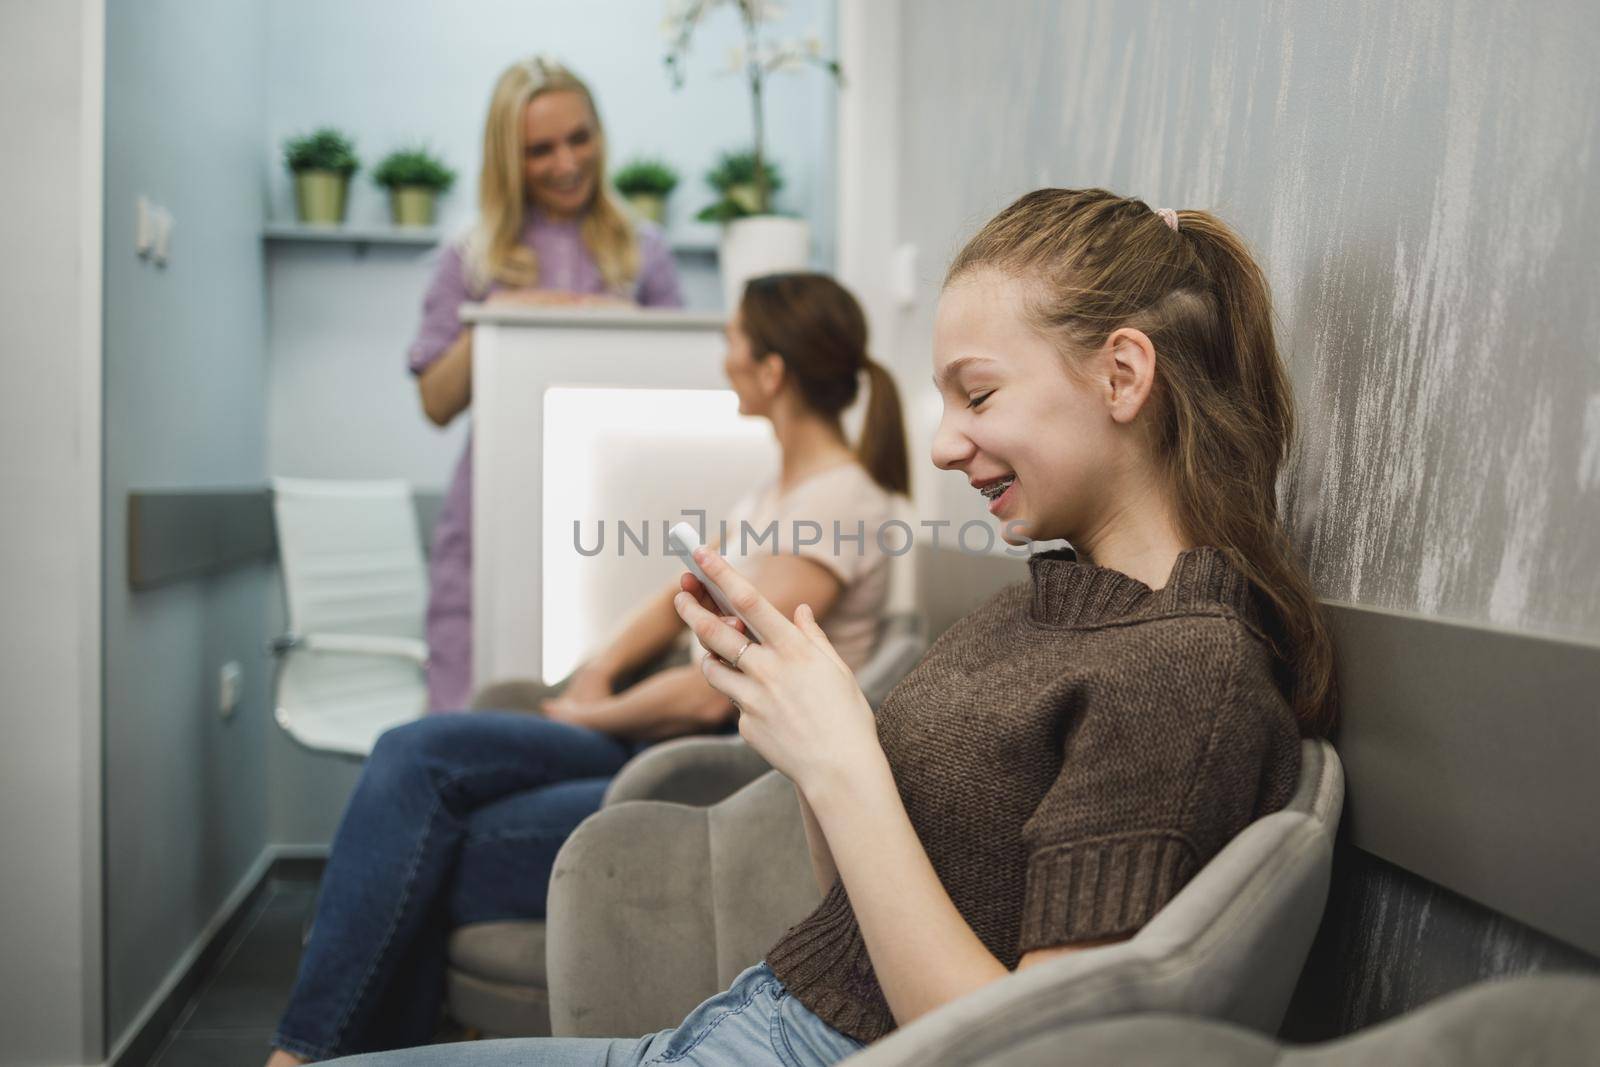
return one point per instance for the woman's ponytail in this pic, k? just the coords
(883, 435)
(821, 332)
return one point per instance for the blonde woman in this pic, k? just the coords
(548, 231)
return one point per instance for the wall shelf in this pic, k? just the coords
(415, 236)
(378, 234)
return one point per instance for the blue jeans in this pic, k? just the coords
(755, 1022)
(456, 819)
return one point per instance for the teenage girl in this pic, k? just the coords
(1071, 753)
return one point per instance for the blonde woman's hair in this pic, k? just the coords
(494, 249)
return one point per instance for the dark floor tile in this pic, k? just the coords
(305, 871)
(251, 987)
(291, 896)
(233, 1048)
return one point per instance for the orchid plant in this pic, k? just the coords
(756, 59)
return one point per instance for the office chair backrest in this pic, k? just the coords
(352, 559)
(352, 665)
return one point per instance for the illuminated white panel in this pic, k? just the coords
(634, 456)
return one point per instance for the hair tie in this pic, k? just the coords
(1168, 216)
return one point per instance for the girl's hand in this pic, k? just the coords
(800, 706)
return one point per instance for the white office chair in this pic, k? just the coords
(353, 663)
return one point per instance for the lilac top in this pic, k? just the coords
(564, 264)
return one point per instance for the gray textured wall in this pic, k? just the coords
(1418, 180)
(185, 381)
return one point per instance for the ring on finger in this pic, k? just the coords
(734, 663)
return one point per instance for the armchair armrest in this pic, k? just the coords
(904, 641)
(688, 770)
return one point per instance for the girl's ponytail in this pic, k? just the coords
(1258, 436)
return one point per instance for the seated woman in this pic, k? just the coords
(458, 818)
(1067, 756)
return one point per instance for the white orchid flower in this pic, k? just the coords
(763, 10)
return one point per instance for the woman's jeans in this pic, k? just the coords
(755, 1022)
(456, 819)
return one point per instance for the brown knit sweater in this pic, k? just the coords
(1070, 754)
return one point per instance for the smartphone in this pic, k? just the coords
(685, 540)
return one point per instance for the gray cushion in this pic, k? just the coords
(1535, 1021)
(689, 770)
(498, 1009)
(511, 951)
(1147, 1040)
(901, 646)
(496, 976)
(654, 907)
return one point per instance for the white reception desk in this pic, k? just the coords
(615, 421)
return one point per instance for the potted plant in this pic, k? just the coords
(738, 187)
(415, 179)
(755, 240)
(321, 163)
(645, 184)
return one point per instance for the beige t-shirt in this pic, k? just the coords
(804, 521)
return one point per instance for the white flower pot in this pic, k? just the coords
(761, 244)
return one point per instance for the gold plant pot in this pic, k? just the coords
(412, 205)
(319, 196)
(747, 196)
(649, 206)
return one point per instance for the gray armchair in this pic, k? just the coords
(655, 907)
(495, 978)
(495, 975)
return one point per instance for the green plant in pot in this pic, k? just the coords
(321, 163)
(741, 189)
(645, 184)
(415, 179)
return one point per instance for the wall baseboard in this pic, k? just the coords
(143, 1037)
(1468, 753)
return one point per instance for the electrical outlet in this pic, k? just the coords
(163, 237)
(229, 680)
(144, 227)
